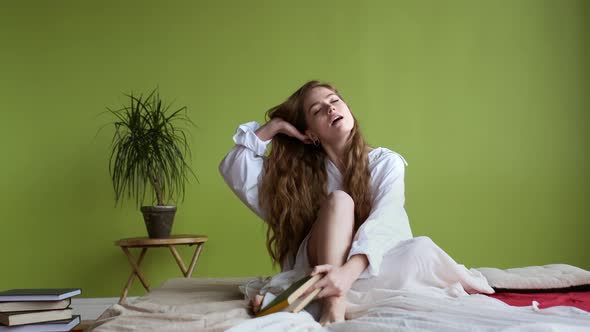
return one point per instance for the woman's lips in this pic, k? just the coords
(339, 117)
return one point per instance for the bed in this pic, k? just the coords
(220, 304)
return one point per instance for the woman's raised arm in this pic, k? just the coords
(242, 167)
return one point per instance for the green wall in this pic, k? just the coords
(487, 100)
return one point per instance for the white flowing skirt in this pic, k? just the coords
(413, 264)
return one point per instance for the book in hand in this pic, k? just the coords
(39, 294)
(55, 326)
(34, 305)
(29, 317)
(290, 299)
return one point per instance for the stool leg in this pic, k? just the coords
(135, 267)
(198, 249)
(131, 277)
(178, 259)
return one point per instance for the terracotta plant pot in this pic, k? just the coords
(158, 220)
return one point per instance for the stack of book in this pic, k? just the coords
(38, 310)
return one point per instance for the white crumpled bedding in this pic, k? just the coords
(420, 289)
(216, 304)
(430, 310)
(180, 304)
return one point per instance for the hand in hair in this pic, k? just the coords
(280, 126)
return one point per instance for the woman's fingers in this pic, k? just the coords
(308, 291)
(289, 129)
(325, 268)
(307, 140)
(327, 292)
(319, 284)
(320, 269)
(324, 284)
(303, 138)
(335, 282)
(323, 293)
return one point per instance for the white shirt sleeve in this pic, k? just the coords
(387, 223)
(243, 165)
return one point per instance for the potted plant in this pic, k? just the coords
(150, 152)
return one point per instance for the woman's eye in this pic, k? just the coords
(335, 100)
(316, 112)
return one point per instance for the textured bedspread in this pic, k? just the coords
(216, 304)
(432, 310)
(420, 289)
(195, 304)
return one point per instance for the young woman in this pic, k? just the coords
(331, 202)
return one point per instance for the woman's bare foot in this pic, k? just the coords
(333, 310)
(255, 303)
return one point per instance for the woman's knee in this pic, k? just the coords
(340, 199)
(337, 214)
(333, 229)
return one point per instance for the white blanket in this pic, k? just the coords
(421, 289)
(431, 310)
(215, 304)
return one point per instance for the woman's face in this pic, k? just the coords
(328, 117)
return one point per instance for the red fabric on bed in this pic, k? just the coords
(575, 299)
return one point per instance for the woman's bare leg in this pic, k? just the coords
(329, 243)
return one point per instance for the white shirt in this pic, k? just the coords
(387, 223)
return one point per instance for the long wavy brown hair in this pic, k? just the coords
(295, 179)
